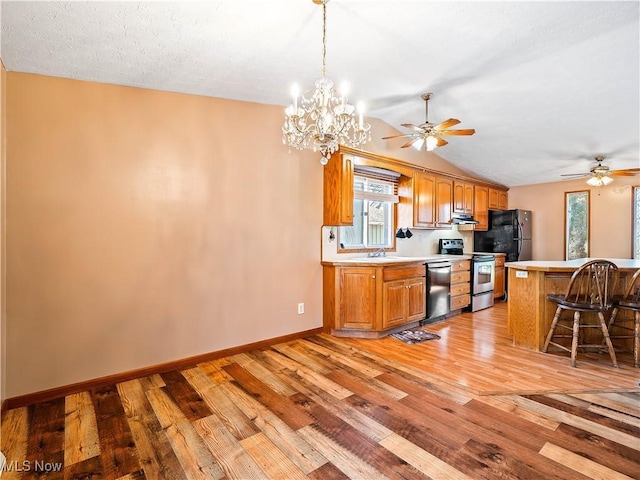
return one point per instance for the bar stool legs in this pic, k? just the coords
(629, 301)
(589, 290)
(575, 336)
(635, 335)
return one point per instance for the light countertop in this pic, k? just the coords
(394, 260)
(569, 265)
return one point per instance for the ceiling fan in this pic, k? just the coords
(429, 134)
(600, 174)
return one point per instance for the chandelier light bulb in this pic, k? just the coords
(344, 91)
(295, 91)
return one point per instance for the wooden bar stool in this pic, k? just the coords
(589, 290)
(629, 300)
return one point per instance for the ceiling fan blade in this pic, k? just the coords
(447, 123)
(411, 142)
(577, 175)
(441, 142)
(464, 131)
(411, 126)
(398, 136)
(625, 173)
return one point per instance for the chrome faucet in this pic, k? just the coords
(381, 252)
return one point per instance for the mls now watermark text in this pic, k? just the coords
(35, 466)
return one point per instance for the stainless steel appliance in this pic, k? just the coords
(509, 232)
(483, 271)
(438, 290)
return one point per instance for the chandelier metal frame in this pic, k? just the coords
(321, 117)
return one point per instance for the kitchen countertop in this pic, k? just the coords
(569, 265)
(393, 260)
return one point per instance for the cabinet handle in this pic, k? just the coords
(373, 276)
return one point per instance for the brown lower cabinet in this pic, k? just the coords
(499, 289)
(370, 302)
(460, 286)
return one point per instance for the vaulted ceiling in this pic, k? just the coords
(546, 85)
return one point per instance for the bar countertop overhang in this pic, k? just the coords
(569, 265)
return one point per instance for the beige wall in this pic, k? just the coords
(610, 218)
(145, 226)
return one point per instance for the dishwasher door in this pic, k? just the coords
(438, 290)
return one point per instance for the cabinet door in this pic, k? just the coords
(358, 298)
(444, 201)
(423, 200)
(458, 197)
(416, 289)
(462, 197)
(498, 286)
(338, 190)
(394, 297)
(503, 200)
(481, 207)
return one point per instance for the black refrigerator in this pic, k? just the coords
(509, 232)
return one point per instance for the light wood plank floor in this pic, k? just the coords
(468, 405)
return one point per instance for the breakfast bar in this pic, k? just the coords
(529, 313)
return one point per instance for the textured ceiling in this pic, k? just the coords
(546, 85)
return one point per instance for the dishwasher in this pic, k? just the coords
(438, 291)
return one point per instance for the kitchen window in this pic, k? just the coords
(576, 226)
(375, 196)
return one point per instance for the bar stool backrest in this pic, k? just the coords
(632, 295)
(593, 284)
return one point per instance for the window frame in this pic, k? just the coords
(567, 219)
(367, 197)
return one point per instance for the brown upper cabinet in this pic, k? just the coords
(421, 195)
(462, 197)
(428, 199)
(338, 190)
(481, 207)
(498, 199)
(444, 202)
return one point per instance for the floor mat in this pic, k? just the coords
(415, 336)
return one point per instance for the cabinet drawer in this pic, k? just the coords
(460, 266)
(460, 301)
(460, 277)
(400, 273)
(499, 261)
(460, 289)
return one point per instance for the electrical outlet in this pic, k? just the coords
(300, 308)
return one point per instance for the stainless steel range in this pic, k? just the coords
(483, 271)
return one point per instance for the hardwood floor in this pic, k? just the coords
(466, 406)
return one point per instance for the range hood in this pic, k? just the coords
(463, 219)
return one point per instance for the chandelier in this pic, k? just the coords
(321, 117)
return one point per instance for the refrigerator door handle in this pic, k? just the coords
(520, 235)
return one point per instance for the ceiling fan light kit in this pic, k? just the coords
(428, 134)
(321, 117)
(600, 175)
